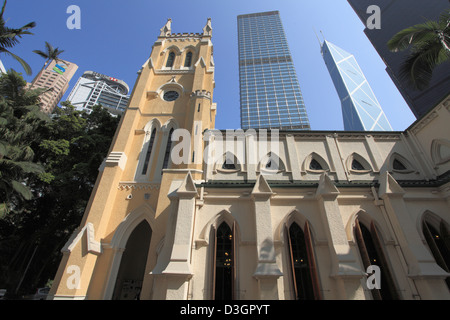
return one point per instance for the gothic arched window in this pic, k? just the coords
(168, 150)
(303, 265)
(315, 165)
(170, 60)
(438, 240)
(224, 263)
(356, 165)
(229, 164)
(273, 162)
(149, 151)
(188, 61)
(369, 245)
(398, 165)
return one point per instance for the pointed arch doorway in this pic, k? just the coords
(132, 265)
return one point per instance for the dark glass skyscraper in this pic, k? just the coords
(269, 89)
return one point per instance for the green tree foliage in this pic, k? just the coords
(71, 148)
(20, 120)
(429, 45)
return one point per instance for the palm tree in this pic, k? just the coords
(430, 46)
(19, 120)
(9, 38)
(49, 54)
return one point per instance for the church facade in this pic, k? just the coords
(183, 211)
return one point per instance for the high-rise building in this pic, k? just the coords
(397, 15)
(269, 89)
(55, 77)
(93, 88)
(361, 110)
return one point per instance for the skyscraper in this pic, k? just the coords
(56, 77)
(361, 110)
(93, 88)
(397, 15)
(269, 89)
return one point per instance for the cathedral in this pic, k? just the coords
(181, 211)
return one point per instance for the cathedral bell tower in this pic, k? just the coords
(126, 246)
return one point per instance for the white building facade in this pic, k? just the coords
(93, 88)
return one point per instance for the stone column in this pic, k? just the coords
(267, 271)
(422, 268)
(294, 161)
(345, 267)
(178, 271)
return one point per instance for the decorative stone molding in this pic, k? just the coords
(389, 186)
(326, 188)
(166, 29)
(116, 159)
(437, 146)
(207, 30)
(424, 122)
(201, 94)
(184, 36)
(261, 189)
(187, 188)
(93, 246)
(446, 104)
(174, 71)
(133, 185)
(152, 95)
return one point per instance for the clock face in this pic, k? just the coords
(170, 95)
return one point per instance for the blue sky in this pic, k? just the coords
(116, 39)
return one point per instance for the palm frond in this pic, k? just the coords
(22, 190)
(29, 26)
(50, 52)
(24, 65)
(30, 167)
(41, 53)
(10, 36)
(48, 47)
(429, 45)
(3, 9)
(418, 68)
(3, 146)
(412, 36)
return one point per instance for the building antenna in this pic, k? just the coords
(320, 43)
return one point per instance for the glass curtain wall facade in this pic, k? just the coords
(269, 89)
(361, 110)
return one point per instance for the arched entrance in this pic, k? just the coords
(132, 265)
